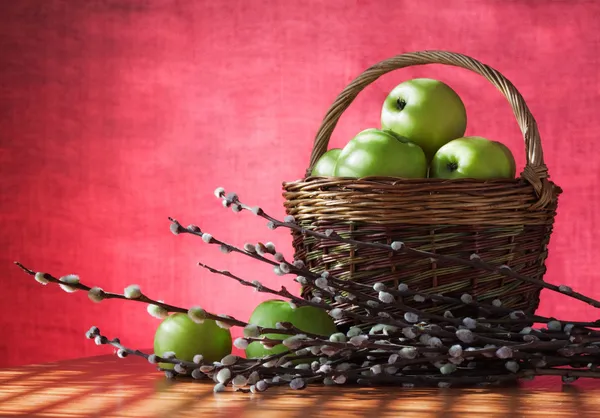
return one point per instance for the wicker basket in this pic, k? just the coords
(504, 221)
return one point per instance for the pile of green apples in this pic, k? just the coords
(179, 334)
(423, 122)
(422, 135)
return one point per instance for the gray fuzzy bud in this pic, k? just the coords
(219, 192)
(568, 328)
(239, 380)
(409, 333)
(175, 228)
(465, 335)
(180, 369)
(448, 368)
(408, 353)
(372, 304)
(197, 314)
(157, 311)
(132, 292)
(299, 264)
(411, 317)
(336, 313)
(96, 294)
(223, 375)
(297, 383)
(455, 350)
(565, 289)
(379, 287)
(504, 352)
(466, 298)
(435, 342)
(337, 337)
(353, 332)
(517, 315)
(397, 245)
(554, 325)
(229, 360)
(41, 278)
(512, 366)
(302, 280)
(470, 323)
(418, 298)
(251, 331)
(69, 279)
(376, 369)
(284, 267)
(321, 283)
(386, 297)
(358, 340)
(240, 343)
(340, 379)
(224, 324)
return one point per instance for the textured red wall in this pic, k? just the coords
(116, 114)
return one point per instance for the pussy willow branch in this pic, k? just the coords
(489, 372)
(474, 262)
(148, 301)
(301, 301)
(94, 333)
(323, 305)
(338, 284)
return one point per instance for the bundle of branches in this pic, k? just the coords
(410, 348)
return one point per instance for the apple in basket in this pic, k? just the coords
(473, 157)
(326, 164)
(376, 152)
(428, 112)
(306, 318)
(179, 334)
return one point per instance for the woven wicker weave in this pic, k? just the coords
(504, 221)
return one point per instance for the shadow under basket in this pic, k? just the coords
(505, 222)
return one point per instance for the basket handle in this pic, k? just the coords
(535, 171)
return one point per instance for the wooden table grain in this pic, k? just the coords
(107, 386)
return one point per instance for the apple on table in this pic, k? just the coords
(306, 318)
(179, 334)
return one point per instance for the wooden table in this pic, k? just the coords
(107, 386)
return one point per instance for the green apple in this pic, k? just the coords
(326, 163)
(428, 112)
(186, 338)
(306, 318)
(473, 157)
(375, 152)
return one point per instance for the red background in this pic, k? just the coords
(116, 114)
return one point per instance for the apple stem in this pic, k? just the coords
(452, 166)
(400, 103)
